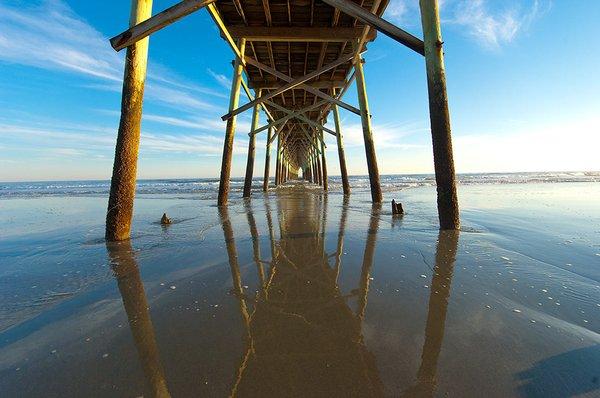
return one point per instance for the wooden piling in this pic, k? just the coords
(230, 128)
(278, 161)
(445, 177)
(251, 150)
(123, 182)
(319, 170)
(341, 152)
(365, 117)
(267, 160)
(324, 162)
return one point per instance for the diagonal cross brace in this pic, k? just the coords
(157, 22)
(294, 83)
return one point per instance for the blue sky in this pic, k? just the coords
(522, 81)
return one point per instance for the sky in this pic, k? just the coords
(522, 81)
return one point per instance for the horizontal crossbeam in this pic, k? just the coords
(318, 84)
(297, 34)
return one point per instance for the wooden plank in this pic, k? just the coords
(157, 22)
(388, 29)
(294, 83)
(297, 33)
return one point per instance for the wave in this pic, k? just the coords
(207, 187)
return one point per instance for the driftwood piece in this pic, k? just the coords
(397, 209)
(164, 220)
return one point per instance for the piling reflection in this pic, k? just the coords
(130, 285)
(445, 258)
(303, 339)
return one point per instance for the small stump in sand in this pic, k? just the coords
(165, 220)
(397, 209)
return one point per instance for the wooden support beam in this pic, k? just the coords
(341, 152)
(443, 158)
(323, 161)
(319, 170)
(311, 90)
(388, 29)
(294, 83)
(318, 84)
(230, 130)
(297, 33)
(124, 175)
(251, 151)
(365, 117)
(148, 26)
(277, 161)
(267, 161)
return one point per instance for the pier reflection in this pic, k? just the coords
(445, 257)
(130, 285)
(302, 335)
(303, 338)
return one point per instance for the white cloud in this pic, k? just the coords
(49, 35)
(493, 29)
(492, 24)
(560, 146)
(386, 136)
(224, 81)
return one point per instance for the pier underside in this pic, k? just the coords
(294, 60)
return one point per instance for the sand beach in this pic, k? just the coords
(301, 293)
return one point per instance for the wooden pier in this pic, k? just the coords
(295, 60)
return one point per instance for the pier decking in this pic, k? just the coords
(295, 60)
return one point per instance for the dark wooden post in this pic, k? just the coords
(324, 162)
(341, 152)
(365, 117)
(251, 149)
(319, 169)
(230, 128)
(123, 182)
(267, 160)
(445, 178)
(277, 160)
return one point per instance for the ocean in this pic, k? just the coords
(206, 188)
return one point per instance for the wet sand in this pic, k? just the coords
(302, 294)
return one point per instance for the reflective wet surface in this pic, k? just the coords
(303, 294)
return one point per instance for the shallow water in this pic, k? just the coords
(301, 294)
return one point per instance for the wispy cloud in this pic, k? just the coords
(494, 28)
(222, 80)
(491, 24)
(91, 140)
(49, 35)
(386, 136)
